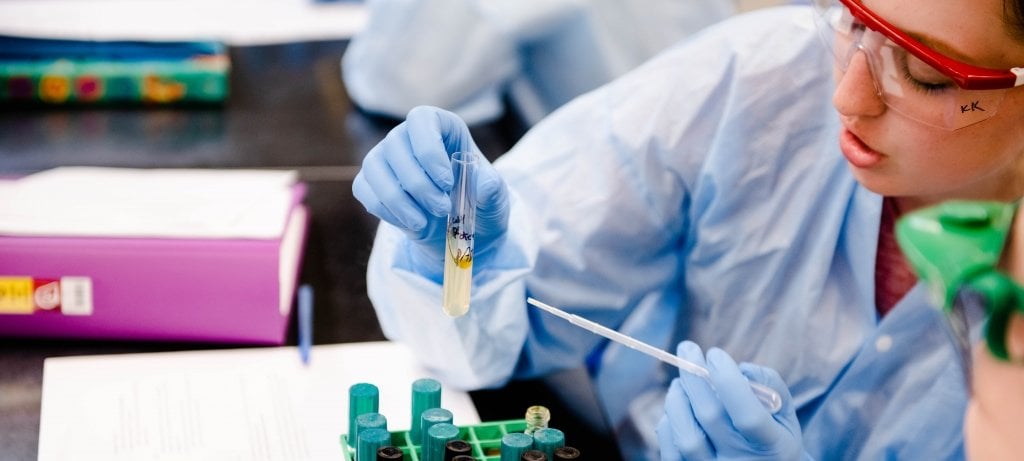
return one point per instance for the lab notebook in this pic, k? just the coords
(230, 290)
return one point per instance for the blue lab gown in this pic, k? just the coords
(465, 55)
(701, 196)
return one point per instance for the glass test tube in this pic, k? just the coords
(537, 417)
(458, 261)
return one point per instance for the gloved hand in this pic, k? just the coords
(406, 180)
(700, 423)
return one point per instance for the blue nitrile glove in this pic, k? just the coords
(700, 423)
(406, 180)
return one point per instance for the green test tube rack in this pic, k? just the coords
(485, 438)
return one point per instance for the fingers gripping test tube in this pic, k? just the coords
(458, 261)
(771, 399)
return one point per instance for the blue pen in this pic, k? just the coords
(305, 322)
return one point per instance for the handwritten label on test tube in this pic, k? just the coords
(458, 261)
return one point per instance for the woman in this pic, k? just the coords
(735, 193)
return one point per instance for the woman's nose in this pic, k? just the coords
(856, 94)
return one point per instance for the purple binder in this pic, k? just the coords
(173, 289)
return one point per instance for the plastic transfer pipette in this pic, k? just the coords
(765, 394)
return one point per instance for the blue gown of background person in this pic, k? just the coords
(701, 196)
(465, 55)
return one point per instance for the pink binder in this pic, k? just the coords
(203, 290)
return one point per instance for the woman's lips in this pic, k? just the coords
(856, 152)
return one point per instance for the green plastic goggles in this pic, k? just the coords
(956, 248)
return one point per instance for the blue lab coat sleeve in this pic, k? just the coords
(466, 55)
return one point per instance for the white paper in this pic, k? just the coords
(223, 405)
(250, 22)
(123, 202)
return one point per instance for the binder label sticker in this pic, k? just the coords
(16, 295)
(27, 295)
(47, 294)
(76, 295)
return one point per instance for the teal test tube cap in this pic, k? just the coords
(426, 394)
(514, 444)
(430, 417)
(547, 440)
(435, 438)
(371, 440)
(369, 421)
(362, 398)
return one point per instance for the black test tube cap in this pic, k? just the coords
(463, 458)
(390, 453)
(566, 453)
(456, 447)
(534, 455)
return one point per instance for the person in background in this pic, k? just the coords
(470, 56)
(738, 192)
(971, 254)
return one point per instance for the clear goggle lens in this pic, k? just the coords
(905, 83)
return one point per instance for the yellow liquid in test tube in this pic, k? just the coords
(458, 278)
(460, 241)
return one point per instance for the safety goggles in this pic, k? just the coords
(956, 248)
(910, 77)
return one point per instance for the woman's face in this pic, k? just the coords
(894, 155)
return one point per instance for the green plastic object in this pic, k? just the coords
(485, 438)
(956, 247)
